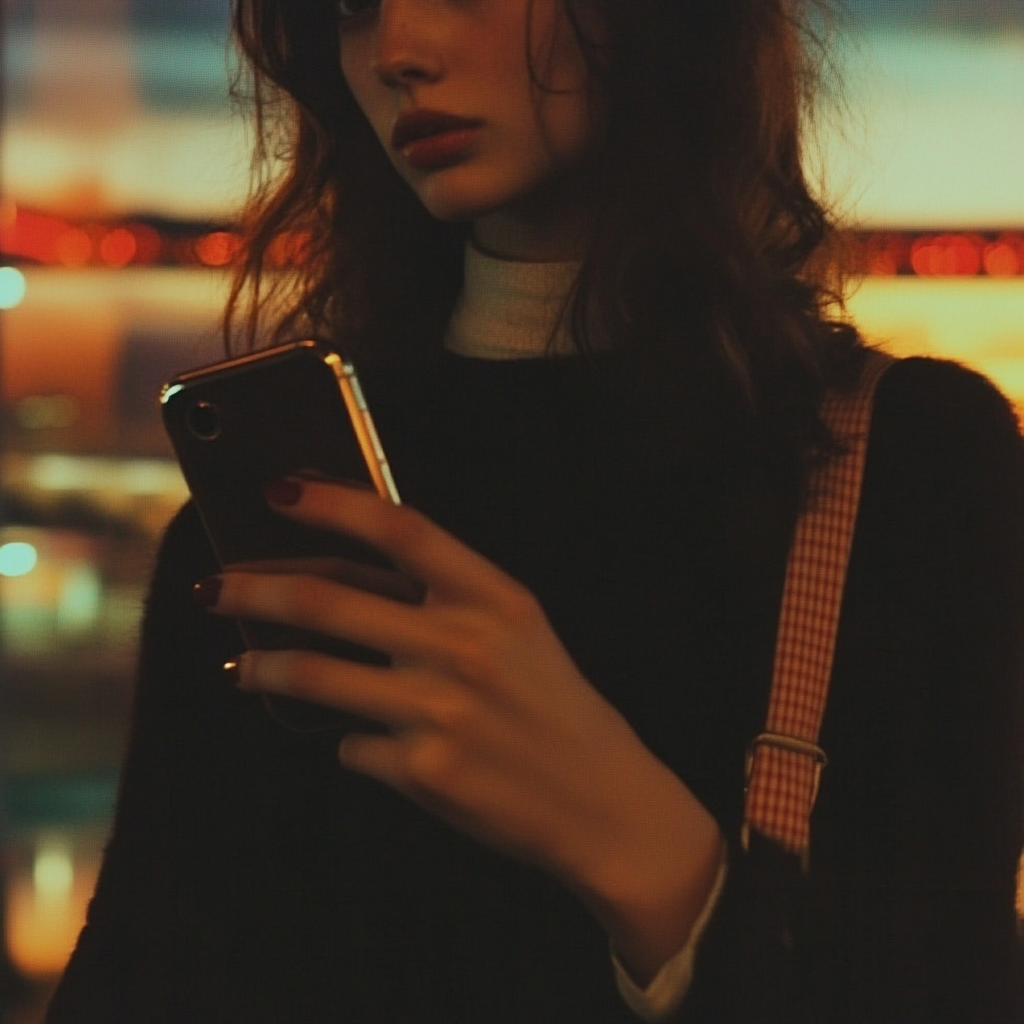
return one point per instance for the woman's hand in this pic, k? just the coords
(491, 725)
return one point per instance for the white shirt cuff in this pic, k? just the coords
(669, 986)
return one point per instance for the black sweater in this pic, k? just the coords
(250, 879)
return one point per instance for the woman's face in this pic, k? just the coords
(446, 86)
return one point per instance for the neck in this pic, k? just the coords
(524, 243)
(512, 309)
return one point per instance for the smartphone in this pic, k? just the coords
(235, 426)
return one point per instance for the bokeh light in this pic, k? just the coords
(13, 287)
(53, 872)
(81, 598)
(1002, 259)
(73, 248)
(118, 248)
(217, 249)
(947, 256)
(17, 559)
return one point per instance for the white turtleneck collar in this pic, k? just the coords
(508, 308)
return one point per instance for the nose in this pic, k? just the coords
(406, 54)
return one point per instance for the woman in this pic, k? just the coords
(572, 248)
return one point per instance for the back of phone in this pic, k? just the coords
(239, 425)
(244, 423)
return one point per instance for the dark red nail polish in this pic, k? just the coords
(206, 593)
(232, 672)
(284, 492)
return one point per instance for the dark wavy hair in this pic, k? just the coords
(710, 262)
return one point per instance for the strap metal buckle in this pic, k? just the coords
(794, 745)
(791, 743)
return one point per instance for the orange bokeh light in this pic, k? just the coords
(30, 235)
(1001, 260)
(73, 248)
(947, 256)
(217, 249)
(41, 934)
(118, 248)
(1004, 257)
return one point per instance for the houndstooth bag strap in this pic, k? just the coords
(784, 763)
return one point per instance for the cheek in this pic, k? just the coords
(563, 112)
(568, 127)
(356, 67)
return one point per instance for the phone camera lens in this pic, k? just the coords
(204, 421)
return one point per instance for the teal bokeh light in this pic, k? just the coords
(13, 287)
(17, 559)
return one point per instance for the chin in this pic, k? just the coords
(451, 196)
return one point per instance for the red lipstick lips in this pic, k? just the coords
(430, 139)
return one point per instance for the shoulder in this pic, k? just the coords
(940, 531)
(940, 402)
(940, 429)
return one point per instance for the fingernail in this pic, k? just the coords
(206, 593)
(231, 670)
(284, 492)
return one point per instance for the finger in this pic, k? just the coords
(379, 757)
(417, 546)
(397, 698)
(372, 578)
(323, 606)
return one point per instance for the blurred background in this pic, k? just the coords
(122, 168)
